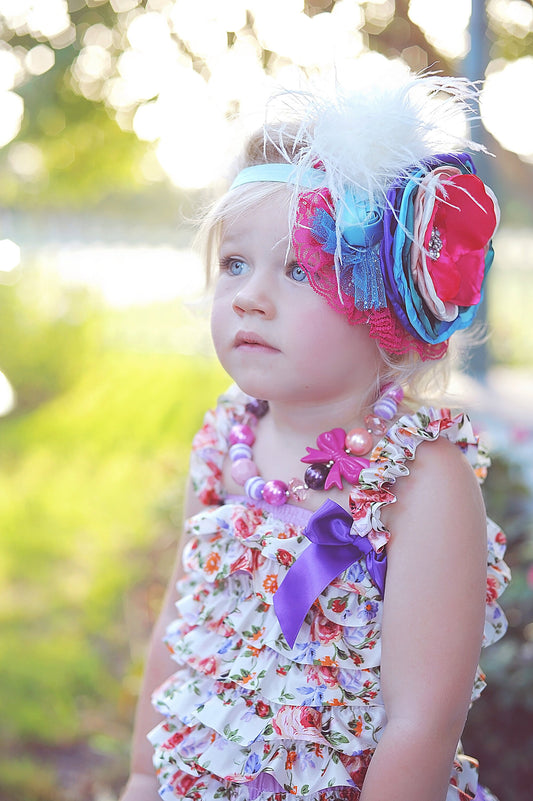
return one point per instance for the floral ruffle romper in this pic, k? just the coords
(248, 717)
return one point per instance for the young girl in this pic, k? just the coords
(334, 588)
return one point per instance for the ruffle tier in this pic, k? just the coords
(247, 716)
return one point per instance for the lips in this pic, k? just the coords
(248, 339)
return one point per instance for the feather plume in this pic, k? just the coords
(371, 138)
(378, 134)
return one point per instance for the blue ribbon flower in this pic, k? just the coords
(356, 250)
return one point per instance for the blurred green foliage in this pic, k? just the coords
(92, 470)
(500, 725)
(90, 511)
(82, 137)
(47, 336)
(510, 300)
(85, 155)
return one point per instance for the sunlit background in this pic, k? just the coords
(119, 121)
(107, 101)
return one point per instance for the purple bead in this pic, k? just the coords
(395, 392)
(386, 408)
(275, 492)
(254, 488)
(241, 433)
(240, 451)
(315, 476)
(257, 407)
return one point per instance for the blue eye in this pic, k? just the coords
(234, 266)
(297, 273)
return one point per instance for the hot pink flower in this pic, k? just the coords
(466, 220)
(455, 219)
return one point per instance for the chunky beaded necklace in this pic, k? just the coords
(338, 454)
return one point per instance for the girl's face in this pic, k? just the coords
(273, 334)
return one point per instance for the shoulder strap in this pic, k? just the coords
(210, 446)
(388, 462)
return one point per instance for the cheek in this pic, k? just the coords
(329, 344)
(219, 324)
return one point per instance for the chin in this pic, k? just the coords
(255, 388)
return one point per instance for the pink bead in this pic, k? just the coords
(395, 392)
(242, 470)
(241, 433)
(358, 441)
(297, 490)
(275, 492)
(375, 424)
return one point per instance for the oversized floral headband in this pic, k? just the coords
(391, 232)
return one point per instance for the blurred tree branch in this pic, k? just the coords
(58, 94)
(402, 37)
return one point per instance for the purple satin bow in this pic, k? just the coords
(333, 549)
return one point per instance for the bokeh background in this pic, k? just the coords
(117, 123)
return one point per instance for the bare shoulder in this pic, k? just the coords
(441, 490)
(434, 603)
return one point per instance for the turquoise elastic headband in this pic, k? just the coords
(358, 221)
(281, 174)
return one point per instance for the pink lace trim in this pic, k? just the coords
(319, 266)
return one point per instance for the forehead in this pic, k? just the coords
(266, 220)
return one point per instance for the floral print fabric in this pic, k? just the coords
(247, 717)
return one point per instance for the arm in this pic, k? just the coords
(432, 625)
(142, 784)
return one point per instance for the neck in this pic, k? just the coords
(308, 419)
(284, 434)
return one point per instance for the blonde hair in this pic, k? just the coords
(422, 381)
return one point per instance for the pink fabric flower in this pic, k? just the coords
(455, 218)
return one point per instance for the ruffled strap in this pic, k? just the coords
(388, 463)
(210, 446)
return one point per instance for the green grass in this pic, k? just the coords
(91, 487)
(90, 503)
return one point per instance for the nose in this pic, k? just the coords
(255, 296)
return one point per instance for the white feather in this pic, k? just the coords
(372, 137)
